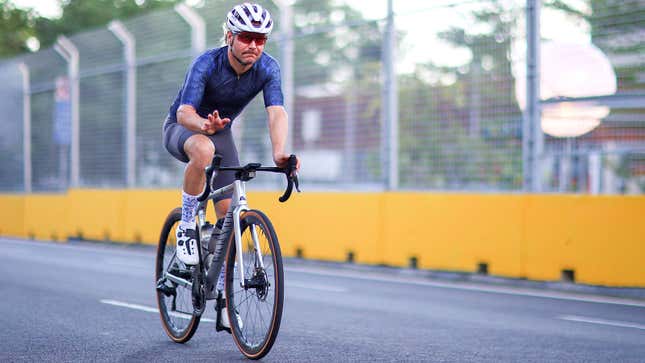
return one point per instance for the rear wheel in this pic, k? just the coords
(174, 296)
(255, 311)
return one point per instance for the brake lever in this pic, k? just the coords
(295, 182)
(293, 174)
(291, 179)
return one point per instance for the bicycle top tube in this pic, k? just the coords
(247, 172)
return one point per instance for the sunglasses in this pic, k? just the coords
(247, 38)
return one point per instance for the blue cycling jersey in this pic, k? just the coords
(212, 84)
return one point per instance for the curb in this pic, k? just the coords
(468, 277)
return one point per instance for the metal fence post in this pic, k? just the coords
(287, 57)
(390, 104)
(129, 51)
(286, 49)
(26, 119)
(532, 137)
(197, 27)
(66, 49)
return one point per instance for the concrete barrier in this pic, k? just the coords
(596, 240)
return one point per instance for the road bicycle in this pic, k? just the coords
(245, 244)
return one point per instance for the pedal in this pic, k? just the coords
(166, 290)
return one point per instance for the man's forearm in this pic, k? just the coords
(189, 118)
(278, 129)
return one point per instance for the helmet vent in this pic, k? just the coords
(250, 18)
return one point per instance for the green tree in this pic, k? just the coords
(16, 27)
(82, 14)
(329, 37)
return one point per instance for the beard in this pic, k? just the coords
(239, 58)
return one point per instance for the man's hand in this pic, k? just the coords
(214, 123)
(281, 160)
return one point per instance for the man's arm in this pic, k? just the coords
(188, 117)
(278, 130)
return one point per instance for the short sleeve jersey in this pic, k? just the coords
(212, 84)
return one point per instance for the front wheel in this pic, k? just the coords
(174, 294)
(255, 310)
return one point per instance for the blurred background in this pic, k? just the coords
(461, 95)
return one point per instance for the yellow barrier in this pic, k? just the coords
(600, 238)
(455, 231)
(12, 215)
(46, 217)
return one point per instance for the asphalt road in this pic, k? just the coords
(87, 302)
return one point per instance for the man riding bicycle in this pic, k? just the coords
(217, 87)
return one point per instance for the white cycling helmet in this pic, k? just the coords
(249, 18)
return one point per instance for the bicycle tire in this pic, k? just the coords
(179, 324)
(255, 338)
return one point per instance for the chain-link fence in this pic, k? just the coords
(605, 153)
(451, 119)
(11, 137)
(459, 119)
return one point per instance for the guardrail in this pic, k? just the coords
(596, 240)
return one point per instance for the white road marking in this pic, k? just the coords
(305, 285)
(150, 309)
(468, 287)
(583, 319)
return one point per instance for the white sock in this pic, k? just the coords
(188, 208)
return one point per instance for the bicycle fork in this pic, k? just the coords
(240, 204)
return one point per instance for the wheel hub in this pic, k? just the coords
(259, 282)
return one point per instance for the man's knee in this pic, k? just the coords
(199, 148)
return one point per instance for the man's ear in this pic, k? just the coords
(229, 38)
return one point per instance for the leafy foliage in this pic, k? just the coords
(82, 14)
(330, 37)
(16, 26)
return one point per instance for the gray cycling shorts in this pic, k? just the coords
(175, 135)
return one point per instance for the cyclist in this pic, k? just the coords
(217, 87)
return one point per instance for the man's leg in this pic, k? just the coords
(200, 150)
(221, 207)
